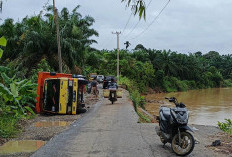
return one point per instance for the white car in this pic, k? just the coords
(100, 78)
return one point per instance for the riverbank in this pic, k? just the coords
(148, 111)
(208, 132)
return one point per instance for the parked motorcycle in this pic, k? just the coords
(173, 128)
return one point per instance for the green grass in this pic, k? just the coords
(8, 126)
(143, 118)
(136, 98)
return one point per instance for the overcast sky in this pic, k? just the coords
(184, 26)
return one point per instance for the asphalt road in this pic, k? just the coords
(112, 130)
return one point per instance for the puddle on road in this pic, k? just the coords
(24, 146)
(51, 123)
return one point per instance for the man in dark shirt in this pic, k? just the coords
(112, 86)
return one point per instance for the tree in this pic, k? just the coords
(140, 47)
(34, 38)
(137, 7)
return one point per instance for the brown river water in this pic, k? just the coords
(206, 106)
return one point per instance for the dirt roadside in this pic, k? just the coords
(45, 127)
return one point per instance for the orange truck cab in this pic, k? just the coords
(59, 93)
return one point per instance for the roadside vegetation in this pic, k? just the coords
(226, 126)
(137, 99)
(31, 47)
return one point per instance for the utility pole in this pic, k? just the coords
(117, 33)
(55, 15)
(1, 6)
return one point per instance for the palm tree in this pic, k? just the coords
(36, 37)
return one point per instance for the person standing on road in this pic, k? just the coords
(94, 87)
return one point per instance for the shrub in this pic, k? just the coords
(8, 126)
(227, 83)
(191, 84)
(135, 96)
(226, 126)
(170, 84)
(17, 97)
(181, 85)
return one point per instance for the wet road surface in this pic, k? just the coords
(112, 130)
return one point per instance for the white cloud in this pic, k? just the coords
(184, 26)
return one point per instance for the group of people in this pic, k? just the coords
(111, 85)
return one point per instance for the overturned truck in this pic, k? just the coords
(60, 93)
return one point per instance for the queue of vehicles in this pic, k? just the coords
(64, 93)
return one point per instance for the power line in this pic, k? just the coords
(152, 21)
(127, 23)
(132, 29)
(138, 21)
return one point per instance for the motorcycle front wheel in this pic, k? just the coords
(185, 146)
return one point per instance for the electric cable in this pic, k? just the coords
(156, 17)
(127, 23)
(137, 22)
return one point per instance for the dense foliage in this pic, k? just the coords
(165, 70)
(34, 39)
(17, 100)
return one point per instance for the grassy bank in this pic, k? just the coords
(137, 99)
(8, 126)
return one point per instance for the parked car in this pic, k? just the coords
(92, 76)
(79, 76)
(100, 78)
(107, 80)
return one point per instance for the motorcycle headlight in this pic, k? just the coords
(182, 119)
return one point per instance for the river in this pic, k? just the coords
(206, 106)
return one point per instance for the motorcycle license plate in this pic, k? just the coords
(113, 89)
